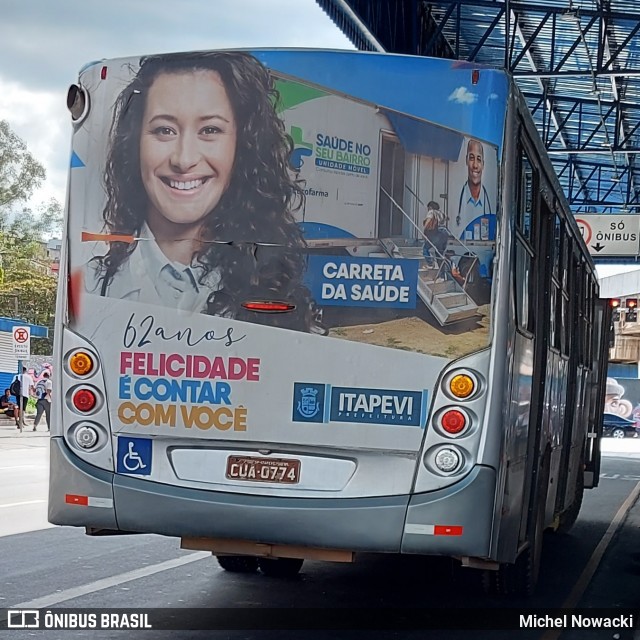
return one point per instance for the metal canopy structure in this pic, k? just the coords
(577, 62)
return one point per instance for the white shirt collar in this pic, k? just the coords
(159, 280)
(470, 199)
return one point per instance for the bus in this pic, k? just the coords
(319, 303)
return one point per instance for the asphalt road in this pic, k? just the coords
(596, 565)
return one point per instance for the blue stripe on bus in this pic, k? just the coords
(423, 408)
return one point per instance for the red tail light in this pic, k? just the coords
(74, 288)
(267, 306)
(453, 421)
(84, 400)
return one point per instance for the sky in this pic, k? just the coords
(44, 43)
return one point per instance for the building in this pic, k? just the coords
(54, 248)
(624, 292)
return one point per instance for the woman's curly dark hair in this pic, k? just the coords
(251, 236)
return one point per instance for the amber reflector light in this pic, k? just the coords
(81, 363)
(462, 385)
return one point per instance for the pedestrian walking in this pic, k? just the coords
(43, 403)
(26, 388)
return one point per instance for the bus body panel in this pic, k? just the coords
(79, 494)
(443, 522)
(456, 521)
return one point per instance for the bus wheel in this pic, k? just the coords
(280, 567)
(527, 566)
(568, 517)
(238, 564)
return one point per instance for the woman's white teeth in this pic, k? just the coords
(185, 186)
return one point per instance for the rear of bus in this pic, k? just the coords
(349, 417)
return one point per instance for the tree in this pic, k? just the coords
(27, 288)
(32, 300)
(20, 172)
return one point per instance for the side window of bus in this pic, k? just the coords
(585, 358)
(525, 197)
(524, 282)
(566, 262)
(592, 318)
(555, 327)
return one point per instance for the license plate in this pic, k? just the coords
(280, 470)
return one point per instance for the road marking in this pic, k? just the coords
(22, 466)
(106, 583)
(595, 559)
(617, 476)
(19, 504)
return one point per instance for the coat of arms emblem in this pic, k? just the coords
(308, 406)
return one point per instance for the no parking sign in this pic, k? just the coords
(22, 342)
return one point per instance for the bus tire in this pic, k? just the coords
(568, 517)
(280, 567)
(527, 566)
(238, 564)
(521, 577)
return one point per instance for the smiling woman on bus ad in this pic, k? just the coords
(198, 170)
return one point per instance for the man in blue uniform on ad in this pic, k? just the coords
(474, 207)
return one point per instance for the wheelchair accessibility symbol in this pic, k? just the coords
(132, 460)
(134, 456)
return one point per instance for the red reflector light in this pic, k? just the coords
(268, 307)
(443, 530)
(453, 421)
(75, 287)
(84, 400)
(81, 500)
(103, 73)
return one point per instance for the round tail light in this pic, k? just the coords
(81, 363)
(84, 400)
(86, 437)
(447, 460)
(462, 385)
(453, 421)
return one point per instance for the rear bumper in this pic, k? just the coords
(380, 524)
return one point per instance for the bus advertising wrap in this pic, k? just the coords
(272, 202)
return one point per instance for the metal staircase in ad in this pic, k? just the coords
(443, 295)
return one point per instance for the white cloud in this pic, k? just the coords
(493, 96)
(40, 119)
(462, 95)
(47, 42)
